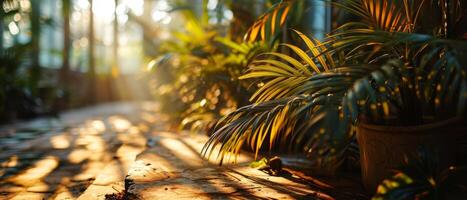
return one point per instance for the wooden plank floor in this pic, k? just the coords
(123, 151)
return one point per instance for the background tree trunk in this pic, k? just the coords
(150, 48)
(35, 43)
(65, 70)
(92, 62)
(1, 25)
(316, 19)
(114, 68)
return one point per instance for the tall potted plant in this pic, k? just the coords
(417, 97)
(400, 67)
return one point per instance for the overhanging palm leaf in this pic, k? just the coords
(405, 89)
(259, 27)
(292, 106)
(384, 27)
(383, 15)
(266, 26)
(287, 77)
(297, 121)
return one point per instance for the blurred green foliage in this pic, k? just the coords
(196, 76)
(15, 86)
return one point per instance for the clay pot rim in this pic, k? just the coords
(414, 129)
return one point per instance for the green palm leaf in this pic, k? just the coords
(267, 24)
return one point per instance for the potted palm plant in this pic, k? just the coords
(419, 90)
(397, 76)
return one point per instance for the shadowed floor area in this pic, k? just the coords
(124, 151)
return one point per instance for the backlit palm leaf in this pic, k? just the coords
(287, 76)
(294, 120)
(267, 24)
(292, 88)
(383, 15)
(385, 26)
(422, 88)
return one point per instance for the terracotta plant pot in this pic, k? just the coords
(382, 148)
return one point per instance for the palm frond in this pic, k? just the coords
(266, 25)
(300, 120)
(287, 77)
(251, 124)
(412, 95)
(383, 15)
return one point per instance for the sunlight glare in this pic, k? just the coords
(83, 4)
(150, 106)
(13, 28)
(11, 162)
(136, 6)
(151, 65)
(228, 15)
(61, 141)
(167, 20)
(122, 19)
(104, 9)
(84, 42)
(97, 125)
(160, 14)
(95, 143)
(212, 4)
(119, 123)
(203, 102)
(17, 17)
(164, 35)
(25, 5)
(162, 5)
(78, 156)
(150, 118)
(65, 195)
(180, 150)
(76, 16)
(123, 40)
(122, 11)
(39, 170)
